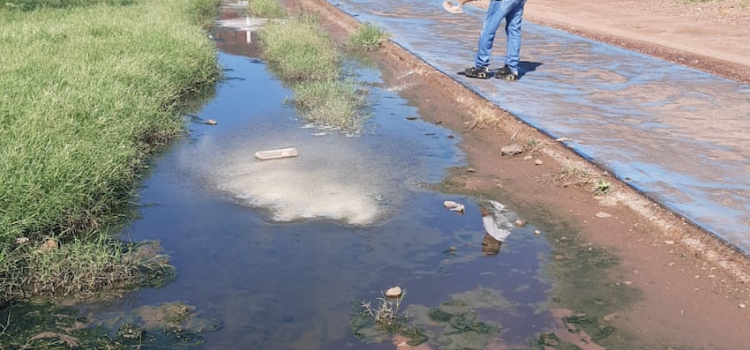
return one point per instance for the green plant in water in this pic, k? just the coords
(368, 37)
(267, 8)
(331, 103)
(387, 312)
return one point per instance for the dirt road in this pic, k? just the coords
(712, 36)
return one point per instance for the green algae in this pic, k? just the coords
(452, 325)
(166, 326)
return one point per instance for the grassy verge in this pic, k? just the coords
(299, 49)
(303, 55)
(266, 8)
(89, 89)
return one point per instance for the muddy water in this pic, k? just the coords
(279, 251)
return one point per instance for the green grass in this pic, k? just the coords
(332, 103)
(266, 8)
(303, 55)
(29, 5)
(88, 91)
(299, 49)
(368, 37)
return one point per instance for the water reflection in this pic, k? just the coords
(498, 223)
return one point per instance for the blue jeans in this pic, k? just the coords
(512, 12)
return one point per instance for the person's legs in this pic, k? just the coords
(513, 20)
(495, 15)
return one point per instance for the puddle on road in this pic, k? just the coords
(279, 250)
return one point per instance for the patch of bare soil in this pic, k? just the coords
(709, 35)
(692, 285)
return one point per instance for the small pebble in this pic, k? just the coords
(669, 242)
(520, 223)
(742, 306)
(538, 162)
(603, 215)
(451, 136)
(453, 248)
(471, 170)
(411, 118)
(537, 232)
(527, 158)
(210, 122)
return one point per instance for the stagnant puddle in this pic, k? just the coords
(279, 252)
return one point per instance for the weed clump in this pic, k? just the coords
(266, 9)
(368, 37)
(81, 267)
(330, 102)
(299, 49)
(602, 187)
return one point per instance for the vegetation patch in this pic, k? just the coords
(304, 56)
(167, 326)
(368, 37)
(452, 325)
(299, 49)
(266, 8)
(90, 89)
(330, 102)
(80, 268)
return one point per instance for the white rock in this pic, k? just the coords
(527, 158)
(394, 292)
(453, 206)
(603, 215)
(276, 154)
(669, 242)
(538, 162)
(537, 232)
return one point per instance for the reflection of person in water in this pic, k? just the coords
(490, 246)
(497, 224)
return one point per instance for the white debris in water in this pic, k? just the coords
(453, 206)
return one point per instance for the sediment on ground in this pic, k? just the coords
(90, 89)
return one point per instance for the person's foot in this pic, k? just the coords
(477, 73)
(506, 73)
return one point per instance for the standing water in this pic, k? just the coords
(280, 251)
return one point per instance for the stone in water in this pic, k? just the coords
(394, 292)
(453, 206)
(276, 154)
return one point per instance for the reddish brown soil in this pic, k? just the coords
(691, 296)
(710, 35)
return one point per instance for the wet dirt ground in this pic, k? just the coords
(280, 252)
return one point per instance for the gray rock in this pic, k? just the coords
(511, 150)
